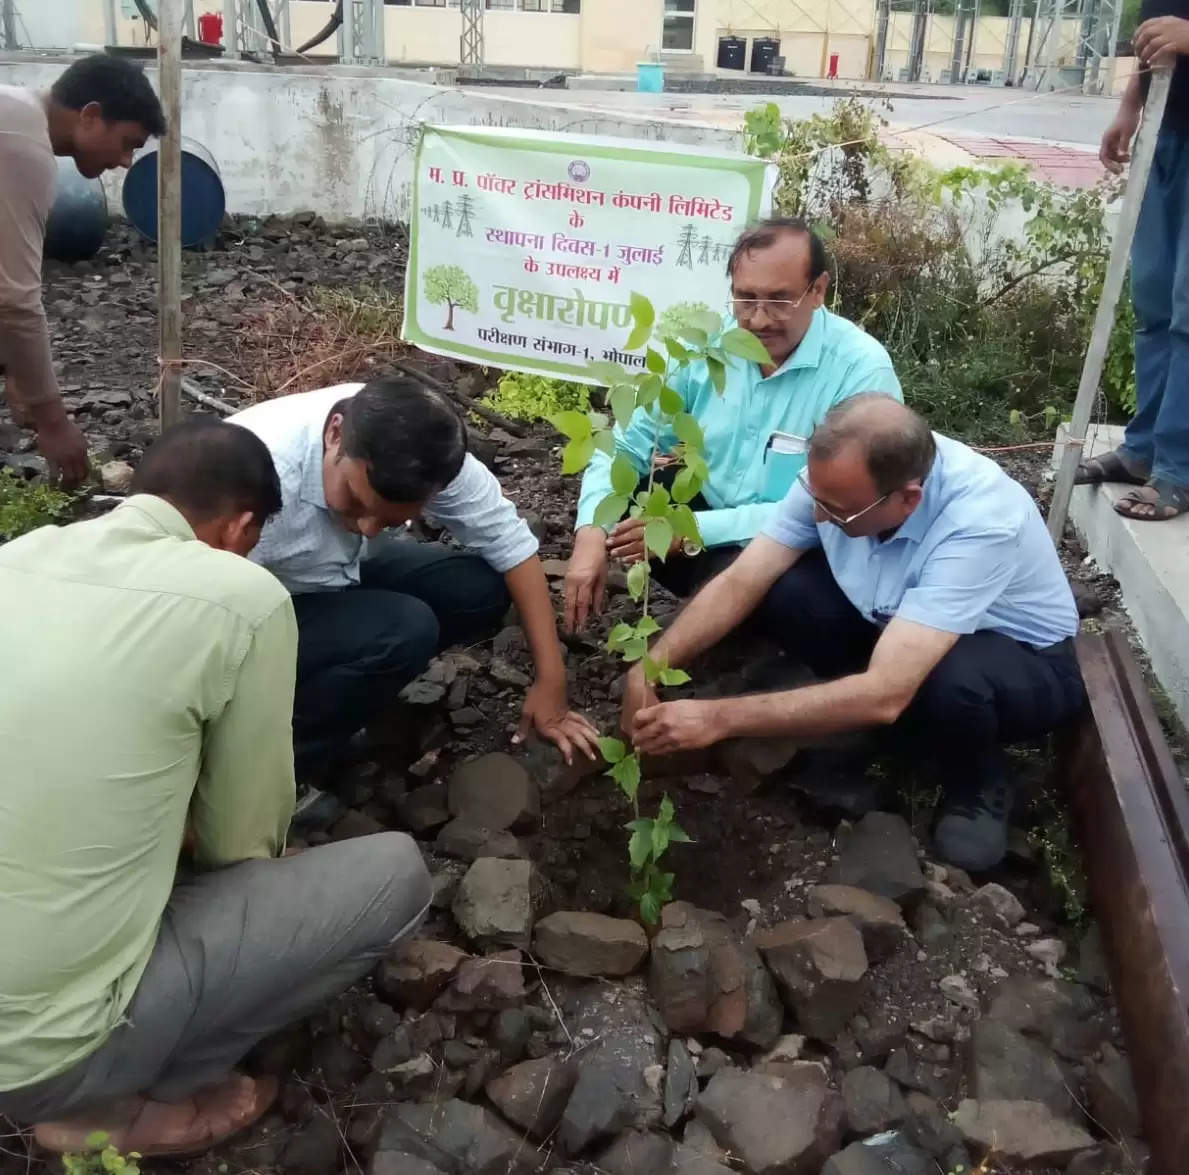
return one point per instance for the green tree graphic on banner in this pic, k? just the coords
(450, 284)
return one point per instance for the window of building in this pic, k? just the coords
(550, 5)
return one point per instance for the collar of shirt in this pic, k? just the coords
(313, 488)
(165, 516)
(808, 352)
(914, 528)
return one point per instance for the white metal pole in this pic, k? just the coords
(109, 22)
(169, 208)
(1112, 286)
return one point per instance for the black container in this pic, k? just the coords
(732, 53)
(77, 222)
(763, 50)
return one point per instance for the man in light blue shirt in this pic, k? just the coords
(756, 431)
(919, 581)
(355, 462)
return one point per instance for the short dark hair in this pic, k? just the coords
(767, 232)
(210, 468)
(896, 441)
(411, 438)
(118, 85)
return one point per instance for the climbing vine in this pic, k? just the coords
(684, 336)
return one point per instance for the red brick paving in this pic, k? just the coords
(1060, 165)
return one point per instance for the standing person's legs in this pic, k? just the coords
(1153, 266)
(241, 953)
(987, 691)
(467, 595)
(1171, 460)
(355, 649)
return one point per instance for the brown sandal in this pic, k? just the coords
(1110, 467)
(1164, 500)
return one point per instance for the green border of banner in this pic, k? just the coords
(753, 171)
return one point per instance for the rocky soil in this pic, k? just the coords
(823, 998)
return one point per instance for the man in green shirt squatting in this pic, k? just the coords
(149, 687)
(756, 432)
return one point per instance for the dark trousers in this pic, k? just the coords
(358, 648)
(988, 690)
(683, 575)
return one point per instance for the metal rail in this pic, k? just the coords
(1131, 809)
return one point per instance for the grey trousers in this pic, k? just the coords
(241, 953)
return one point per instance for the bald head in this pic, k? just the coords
(896, 443)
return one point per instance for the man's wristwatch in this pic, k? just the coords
(689, 548)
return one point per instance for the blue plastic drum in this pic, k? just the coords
(77, 222)
(203, 199)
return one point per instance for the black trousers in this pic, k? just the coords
(987, 691)
(358, 647)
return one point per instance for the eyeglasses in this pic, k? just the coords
(777, 309)
(837, 519)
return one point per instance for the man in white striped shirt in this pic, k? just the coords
(356, 460)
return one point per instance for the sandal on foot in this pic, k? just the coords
(1110, 467)
(1158, 501)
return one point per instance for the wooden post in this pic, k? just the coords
(169, 208)
(1112, 286)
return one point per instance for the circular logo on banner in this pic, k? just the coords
(579, 171)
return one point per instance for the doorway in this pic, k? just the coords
(677, 34)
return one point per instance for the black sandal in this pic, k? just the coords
(1110, 467)
(1170, 501)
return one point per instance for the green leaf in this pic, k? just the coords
(612, 749)
(97, 1140)
(692, 334)
(652, 670)
(648, 388)
(718, 373)
(634, 648)
(660, 839)
(696, 464)
(572, 424)
(608, 374)
(637, 578)
(620, 633)
(658, 536)
(626, 773)
(640, 843)
(643, 316)
(744, 344)
(1015, 417)
(650, 909)
(665, 811)
(624, 477)
(610, 510)
(647, 626)
(623, 403)
(676, 350)
(674, 677)
(662, 886)
(598, 420)
(671, 401)
(686, 485)
(605, 442)
(685, 524)
(576, 456)
(678, 835)
(655, 502)
(655, 361)
(689, 431)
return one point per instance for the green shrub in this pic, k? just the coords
(989, 350)
(535, 397)
(99, 1157)
(26, 505)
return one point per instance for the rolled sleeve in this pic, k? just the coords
(960, 581)
(792, 525)
(473, 508)
(244, 798)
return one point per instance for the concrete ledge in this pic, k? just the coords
(1151, 562)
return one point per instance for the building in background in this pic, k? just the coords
(812, 38)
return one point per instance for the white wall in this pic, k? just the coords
(339, 141)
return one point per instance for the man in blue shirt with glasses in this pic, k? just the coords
(756, 431)
(918, 581)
